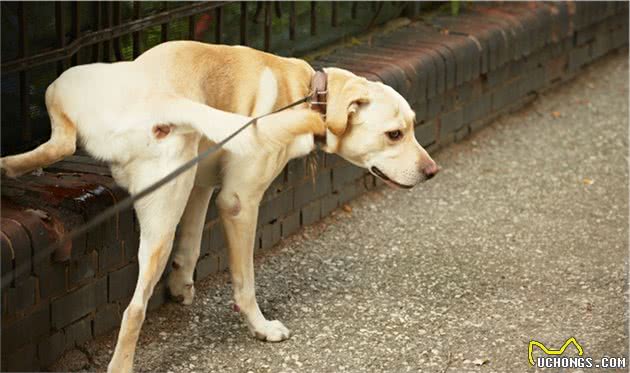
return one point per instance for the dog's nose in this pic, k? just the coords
(431, 170)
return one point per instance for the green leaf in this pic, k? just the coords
(454, 7)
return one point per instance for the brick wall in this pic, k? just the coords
(457, 72)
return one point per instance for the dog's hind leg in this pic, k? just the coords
(62, 143)
(158, 215)
(187, 247)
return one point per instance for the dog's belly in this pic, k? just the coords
(145, 164)
(209, 169)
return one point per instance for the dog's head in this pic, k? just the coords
(372, 126)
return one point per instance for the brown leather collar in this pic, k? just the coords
(319, 87)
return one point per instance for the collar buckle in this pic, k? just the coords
(319, 87)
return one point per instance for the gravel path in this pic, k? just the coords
(524, 235)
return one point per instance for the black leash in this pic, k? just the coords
(7, 278)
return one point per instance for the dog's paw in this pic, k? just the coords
(120, 367)
(271, 331)
(12, 167)
(7, 170)
(180, 291)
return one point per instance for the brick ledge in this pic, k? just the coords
(457, 73)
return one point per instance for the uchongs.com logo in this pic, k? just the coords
(553, 358)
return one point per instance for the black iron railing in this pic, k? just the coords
(42, 39)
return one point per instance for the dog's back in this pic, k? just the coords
(226, 77)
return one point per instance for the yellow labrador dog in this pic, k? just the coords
(148, 116)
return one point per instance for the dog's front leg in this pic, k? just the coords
(239, 214)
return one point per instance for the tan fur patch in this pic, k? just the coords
(65, 123)
(150, 275)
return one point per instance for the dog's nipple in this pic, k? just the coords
(160, 131)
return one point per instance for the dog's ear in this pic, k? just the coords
(345, 96)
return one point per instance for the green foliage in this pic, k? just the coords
(455, 7)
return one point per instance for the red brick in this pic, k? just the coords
(6, 256)
(311, 213)
(23, 360)
(290, 224)
(427, 83)
(426, 133)
(344, 174)
(53, 280)
(217, 238)
(18, 333)
(50, 348)
(122, 282)
(329, 203)
(23, 295)
(78, 332)
(271, 234)
(393, 59)
(82, 269)
(20, 245)
(207, 266)
(158, 298)
(385, 72)
(76, 304)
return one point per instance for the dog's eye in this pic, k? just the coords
(394, 135)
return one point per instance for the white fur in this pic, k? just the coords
(267, 93)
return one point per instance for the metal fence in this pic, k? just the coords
(42, 39)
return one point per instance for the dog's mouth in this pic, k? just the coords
(387, 180)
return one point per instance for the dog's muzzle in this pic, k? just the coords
(386, 178)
